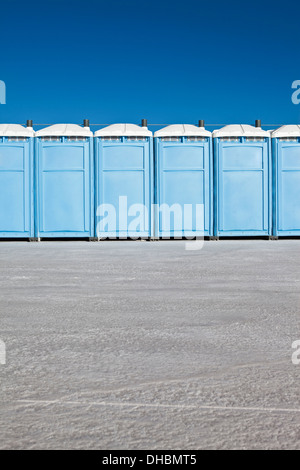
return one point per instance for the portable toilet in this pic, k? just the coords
(184, 181)
(124, 181)
(65, 176)
(243, 189)
(286, 181)
(16, 181)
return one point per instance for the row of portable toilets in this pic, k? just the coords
(66, 182)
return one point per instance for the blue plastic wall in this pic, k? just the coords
(16, 188)
(243, 187)
(64, 188)
(184, 176)
(286, 190)
(124, 169)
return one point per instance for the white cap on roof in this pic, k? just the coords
(185, 130)
(69, 130)
(119, 130)
(292, 130)
(241, 130)
(15, 130)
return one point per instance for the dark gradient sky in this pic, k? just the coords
(168, 61)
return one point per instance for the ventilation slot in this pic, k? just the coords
(171, 139)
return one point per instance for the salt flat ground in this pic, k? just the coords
(138, 345)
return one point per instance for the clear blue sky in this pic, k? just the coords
(167, 61)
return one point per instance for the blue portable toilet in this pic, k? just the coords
(243, 184)
(286, 181)
(124, 181)
(184, 181)
(16, 181)
(64, 187)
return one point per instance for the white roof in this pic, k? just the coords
(15, 130)
(241, 130)
(118, 130)
(186, 130)
(292, 130)
(69, 130)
